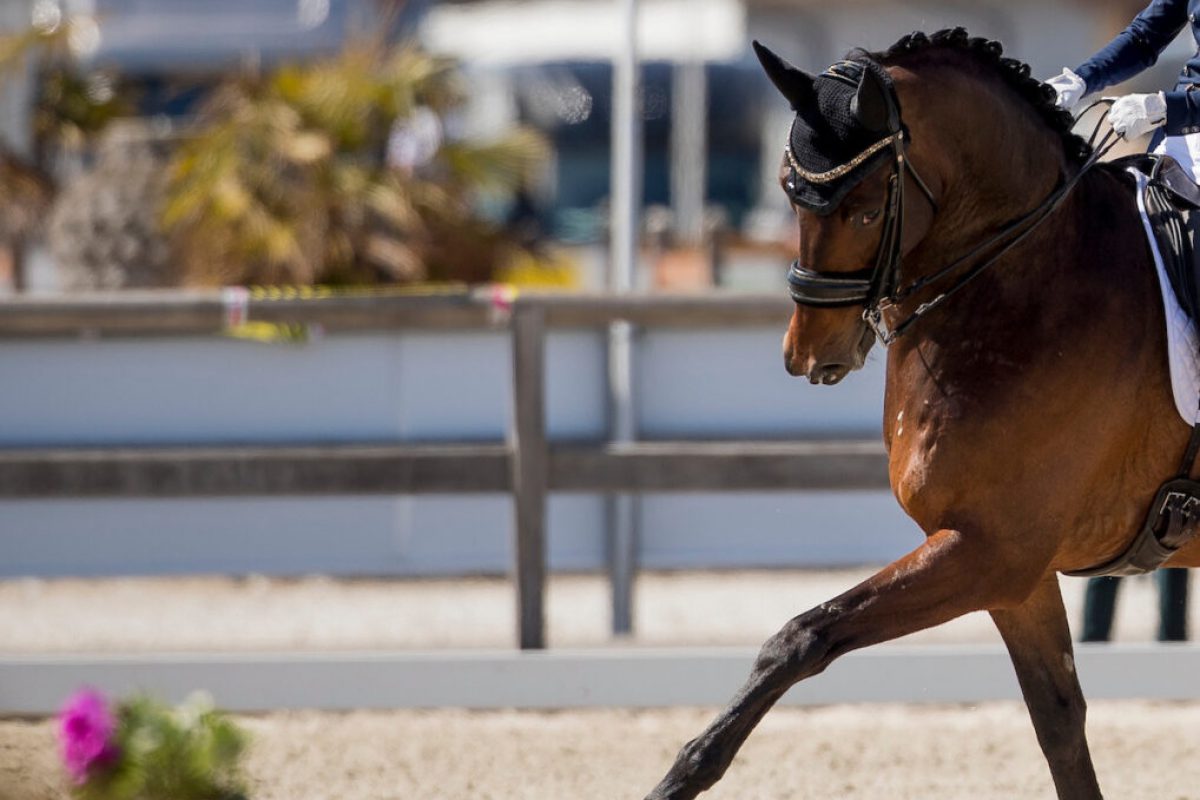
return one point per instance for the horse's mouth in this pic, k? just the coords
(865, 343)
(828, 374)
(833, 372)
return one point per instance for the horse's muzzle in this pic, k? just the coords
(828, 374)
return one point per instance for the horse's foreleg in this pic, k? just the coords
(1039, 642)
(947, 576)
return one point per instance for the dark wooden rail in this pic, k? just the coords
(209, 312)
(432, 469)
(527, 466)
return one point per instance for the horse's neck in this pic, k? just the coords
(1003, 166)
(995, 185)
(974, 211)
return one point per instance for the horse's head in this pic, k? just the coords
(978, 136)
(843, 171)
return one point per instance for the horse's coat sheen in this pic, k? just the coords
(1029, 420)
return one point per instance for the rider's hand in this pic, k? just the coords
(1136, 115)
(1069, 89)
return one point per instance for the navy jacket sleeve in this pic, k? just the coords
(1137, 47)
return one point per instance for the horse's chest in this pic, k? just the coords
(953, 413)
(926, 465)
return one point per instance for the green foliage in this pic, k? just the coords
(286, 179)
(72, 107)
(185, 753)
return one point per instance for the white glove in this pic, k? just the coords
(1070, 89)
(1136, 115)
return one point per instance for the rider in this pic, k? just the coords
(1174, 117)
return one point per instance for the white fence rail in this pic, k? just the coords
(579, 679)
(175, 417)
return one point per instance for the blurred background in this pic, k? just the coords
(350, 347)
(112, 109)
(426, 148)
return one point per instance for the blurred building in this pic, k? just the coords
(544, 62)
(165, 56)
(170, 49)
(712, 128)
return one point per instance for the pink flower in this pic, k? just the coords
(85, 729)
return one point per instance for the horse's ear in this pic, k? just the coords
(873, 106)
(793, 83)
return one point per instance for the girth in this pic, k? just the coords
(1169, 525)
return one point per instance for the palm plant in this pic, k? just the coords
(286, 177)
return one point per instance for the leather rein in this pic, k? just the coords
(877, 288)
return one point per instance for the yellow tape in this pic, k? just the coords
(272, 333)
(319, 292)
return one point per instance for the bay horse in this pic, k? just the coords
(1028, 414)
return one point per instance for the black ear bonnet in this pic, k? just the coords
(846, 118)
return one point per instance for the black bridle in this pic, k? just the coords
(877, 288)
(868, 285)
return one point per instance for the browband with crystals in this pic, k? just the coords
(838, 172)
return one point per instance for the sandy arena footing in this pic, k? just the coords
(986, 752)
(1142, 750)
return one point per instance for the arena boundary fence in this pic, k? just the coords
(619, 678)
(527, 465)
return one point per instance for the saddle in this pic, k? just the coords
(1173, 515)
(1171, 191)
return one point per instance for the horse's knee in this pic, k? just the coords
(799, 649)
(701, 764)
(697, 767)
(1062, 736)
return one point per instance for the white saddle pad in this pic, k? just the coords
(1181, 333)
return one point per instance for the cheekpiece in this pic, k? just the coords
(829, 150)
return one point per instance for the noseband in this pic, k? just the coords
(878, 288)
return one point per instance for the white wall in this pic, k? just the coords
(419, 387)
(343, 388)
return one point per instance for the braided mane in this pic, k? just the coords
(1014, 73)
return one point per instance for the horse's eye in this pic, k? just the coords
(870, 217)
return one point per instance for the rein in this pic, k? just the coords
(875, 288)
